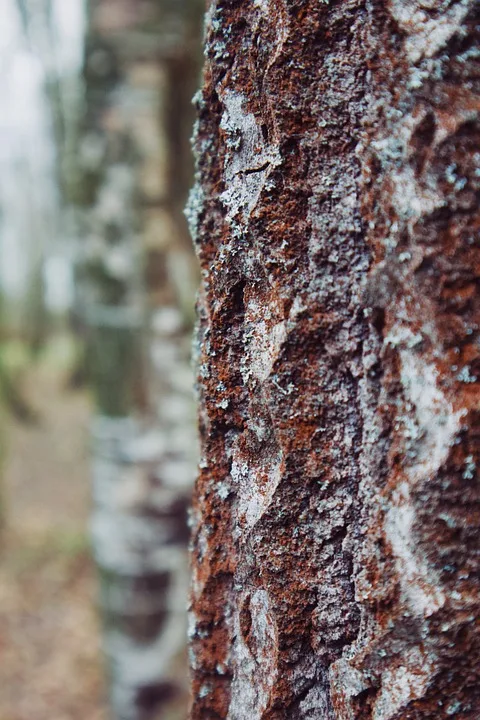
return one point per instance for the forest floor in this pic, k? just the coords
(51, 664)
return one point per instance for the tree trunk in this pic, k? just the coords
(336, 513)
(144, 449)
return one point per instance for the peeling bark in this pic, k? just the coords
(336, 515)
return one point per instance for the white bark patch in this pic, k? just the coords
(417, 580)
(254, 658)
(263, 342)
(403, 683)
(429, 436)
(250, 159)
(256, 487)
(264, 348)
(412, 199)
(427, 35)
(436, 422)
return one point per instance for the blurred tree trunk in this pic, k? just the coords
(134, 244)
(336, 534)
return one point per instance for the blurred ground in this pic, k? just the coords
(50, 654)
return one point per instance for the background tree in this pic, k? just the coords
(336, 533)
(135, 279)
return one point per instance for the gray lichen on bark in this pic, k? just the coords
(335, 539)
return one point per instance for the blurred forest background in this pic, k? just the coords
(97, 285)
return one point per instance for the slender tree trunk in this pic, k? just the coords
(336, 513)
(144, 448)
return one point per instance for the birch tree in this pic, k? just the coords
(336, 512)
(133, 245)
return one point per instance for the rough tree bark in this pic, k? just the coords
(336, 513)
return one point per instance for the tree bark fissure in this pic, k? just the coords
(335, 523)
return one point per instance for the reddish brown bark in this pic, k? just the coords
(335, 545)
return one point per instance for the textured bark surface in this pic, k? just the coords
(336, 514)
